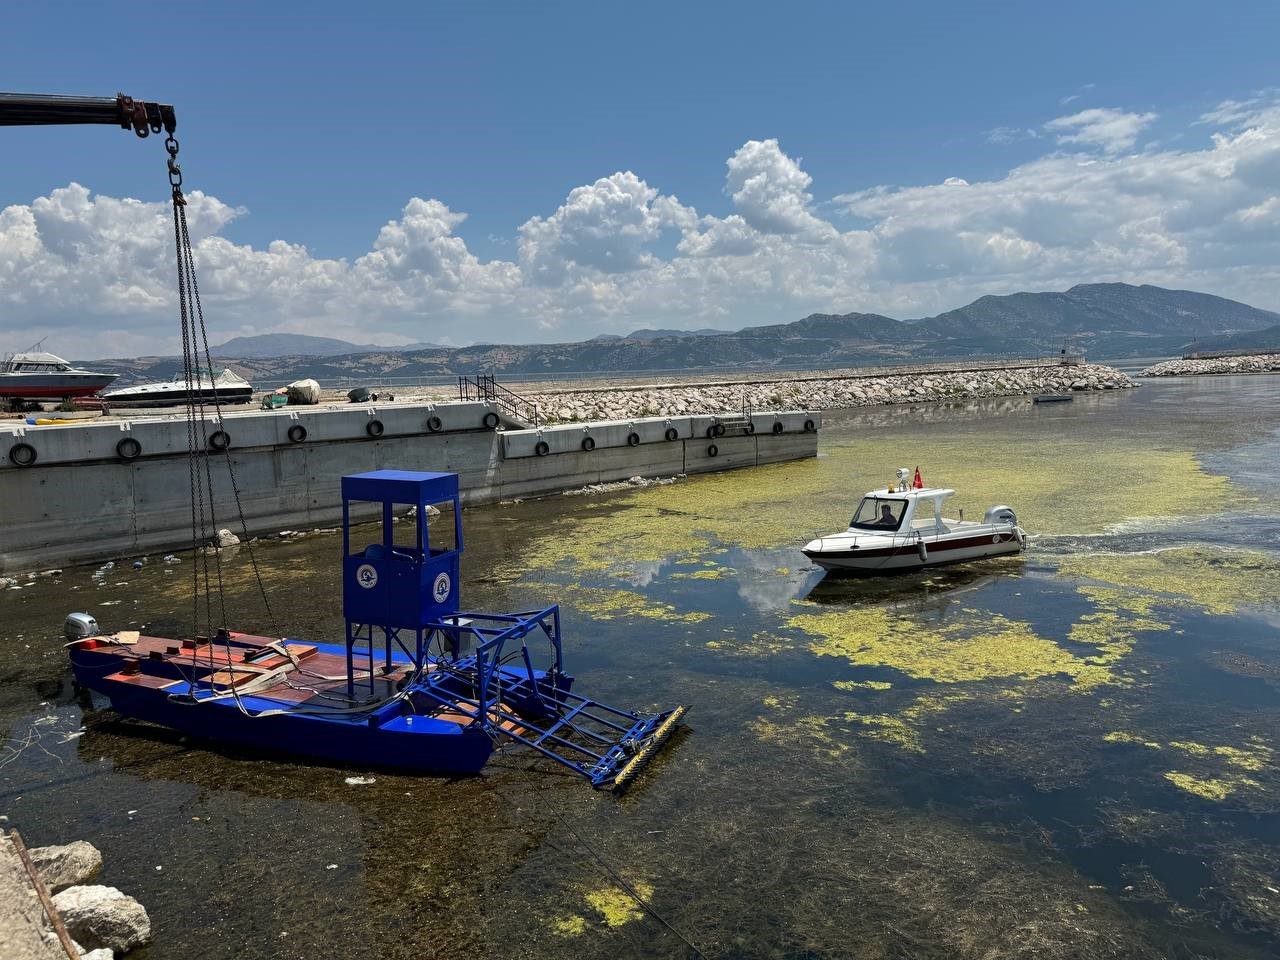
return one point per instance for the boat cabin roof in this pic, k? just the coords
(400, 486)
(926, 493)
(34, 362)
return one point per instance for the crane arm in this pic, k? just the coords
(140, 116)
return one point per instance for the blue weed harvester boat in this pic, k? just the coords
(418, 685)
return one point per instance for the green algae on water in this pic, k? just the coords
(1218, 581)
(976, 646)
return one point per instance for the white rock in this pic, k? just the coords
(103, 917)
(226, 538)
(68, 864)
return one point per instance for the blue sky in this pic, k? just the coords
(317, 126)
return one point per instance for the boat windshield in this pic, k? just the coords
(879, 513)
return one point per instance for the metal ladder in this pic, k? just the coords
(500, 690)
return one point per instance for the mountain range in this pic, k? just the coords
(1104, 320)
(266, 345)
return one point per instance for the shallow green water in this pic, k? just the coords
(1069, 753)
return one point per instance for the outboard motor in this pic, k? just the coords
(1001, 514)
(80, 625)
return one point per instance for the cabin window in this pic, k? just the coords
(879, 513)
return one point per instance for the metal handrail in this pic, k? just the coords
(484, 387)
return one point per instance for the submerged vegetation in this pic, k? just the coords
(1069, 754)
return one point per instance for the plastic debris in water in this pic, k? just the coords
(360, 781)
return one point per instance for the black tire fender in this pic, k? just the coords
(374, 428)
(750, 428)
(777, 426)
(810, 426)
(435, 424)
(542, 448)
(297, 433)
(672, 433)
(633, 439)
(22, 455)
(219, 440)
(713, 451)
(719, 430)
(490, 420)
(711, 430)
(128, 449)
(588, 444)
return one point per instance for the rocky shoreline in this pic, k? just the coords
(1252, 363)
(822, 393)
(98, 922)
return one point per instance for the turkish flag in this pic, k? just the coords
(918, 482)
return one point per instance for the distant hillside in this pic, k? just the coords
(1108, 316)
(663, 334)
(296, 345)
(1263, 341)
(1111, 320)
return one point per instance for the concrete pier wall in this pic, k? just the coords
(81, 501)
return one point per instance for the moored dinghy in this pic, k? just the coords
(902, 528)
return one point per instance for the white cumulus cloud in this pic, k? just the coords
(1112, 130)
(95, 273)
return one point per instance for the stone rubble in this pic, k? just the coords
(823, 393)
(66, 865)
(100, 920)
(1253, 363)
(99, 917)
(633, 482)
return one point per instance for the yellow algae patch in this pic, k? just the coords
(762, 644)
(890, 729)
(862, 685)
(903, 728)
(571, 926)
(617, 907)
(604, 604)
(812, 728)
(1218, 581)
(1120, 736)
(1256, 756)
(1209, 789)
(974, 648)
(718, 573)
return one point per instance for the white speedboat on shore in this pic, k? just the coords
(902, 528)
(227, 387)
(43, 376)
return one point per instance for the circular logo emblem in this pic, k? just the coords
(440, 589)
(366, 576)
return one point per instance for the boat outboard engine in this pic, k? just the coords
(80, 625)
(1001, 514)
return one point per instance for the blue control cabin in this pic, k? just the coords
(398, 590)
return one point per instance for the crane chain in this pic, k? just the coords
(195, 354)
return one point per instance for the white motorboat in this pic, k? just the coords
(228, 387)
(43, 376)
(901, 527)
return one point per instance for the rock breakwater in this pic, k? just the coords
(1253, 363)
(822, 393)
